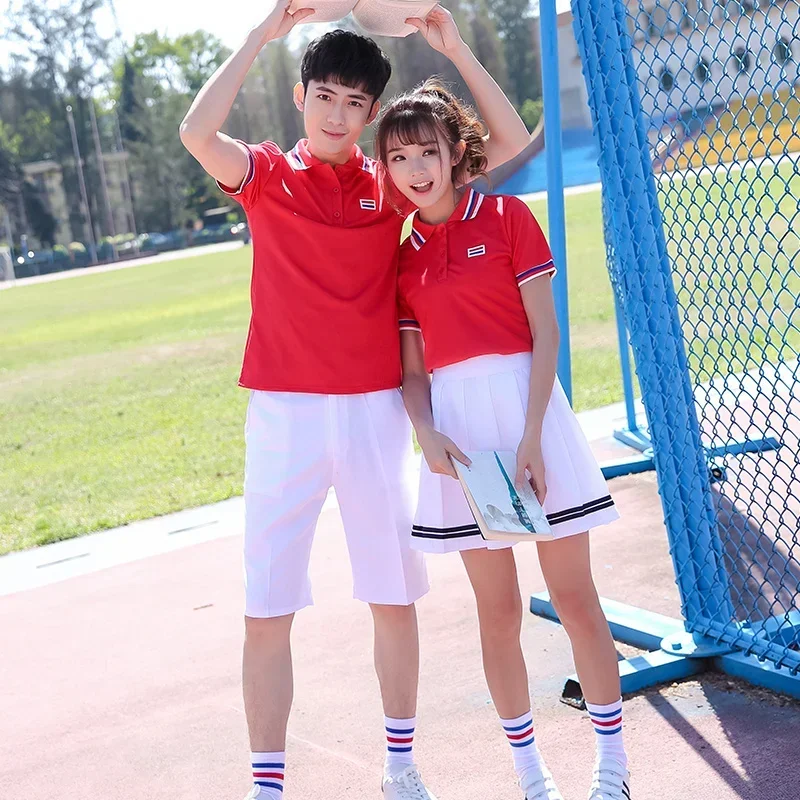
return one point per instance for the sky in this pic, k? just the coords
(230, 20)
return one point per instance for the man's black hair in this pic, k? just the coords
(348, 58)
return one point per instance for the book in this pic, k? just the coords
(503, 511)
(378, 17)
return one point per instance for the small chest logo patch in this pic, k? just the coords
(478, 250)
(368, 205)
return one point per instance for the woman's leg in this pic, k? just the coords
(493, 575)
(566, 567)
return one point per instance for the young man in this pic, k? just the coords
(322, 362)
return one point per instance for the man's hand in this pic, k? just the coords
(529, 457)
(439, 30)
(280, 21)
(438, 450)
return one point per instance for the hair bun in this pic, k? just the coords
(436, 88)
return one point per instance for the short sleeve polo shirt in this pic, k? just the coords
(458, 282)
(323, 289)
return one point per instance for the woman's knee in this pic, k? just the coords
(576, 606)
(501, 615)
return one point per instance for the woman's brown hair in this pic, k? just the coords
(417, 116)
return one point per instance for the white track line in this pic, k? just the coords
(173, 255)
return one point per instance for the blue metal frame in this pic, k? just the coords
(633, 436)
(664, 663)
(628, 466)
(556, 215)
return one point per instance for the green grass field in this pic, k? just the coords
(119, 397)
(118, 391)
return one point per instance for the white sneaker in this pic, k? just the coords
(540, 785)
(406, 785)
(256, 792)
(610, 781)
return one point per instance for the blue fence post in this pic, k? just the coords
(642, 268)
(551, 92)
(625, 365)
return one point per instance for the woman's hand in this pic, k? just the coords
(531, 462)
(438, 450)
(439, 30)
(279, 21)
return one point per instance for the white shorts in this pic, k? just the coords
(298, 446)
(481, 405)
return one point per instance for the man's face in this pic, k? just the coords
(335, 117)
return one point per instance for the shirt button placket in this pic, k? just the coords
(441, 273)
(337, 205)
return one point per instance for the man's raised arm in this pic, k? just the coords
(222, 157)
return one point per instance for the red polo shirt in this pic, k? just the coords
(323, 290)
(459, 282)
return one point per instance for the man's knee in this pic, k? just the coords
(264, 631)
(393, 613)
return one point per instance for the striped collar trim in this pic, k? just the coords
(300, 157)
(473, 205)
(295, 157)
(467, 209)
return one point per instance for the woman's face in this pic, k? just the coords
(423, 172)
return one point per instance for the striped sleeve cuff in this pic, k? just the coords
(248, 178)
(548, 268)
(410, 325)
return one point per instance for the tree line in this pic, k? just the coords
(140, 90)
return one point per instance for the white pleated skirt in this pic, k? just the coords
(481, 405)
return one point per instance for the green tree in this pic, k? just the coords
(515, 27)
(487, 43)
(129, 103)
(10, 172)
(66, 57)
(283, 69)
(154, 83)
(531, 112)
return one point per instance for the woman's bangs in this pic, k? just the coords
(410, 128)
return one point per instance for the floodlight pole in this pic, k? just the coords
(82, 183)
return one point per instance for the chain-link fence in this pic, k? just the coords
(695, 105)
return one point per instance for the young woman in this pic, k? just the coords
(476, 311)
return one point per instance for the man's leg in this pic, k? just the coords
(374, 484)
(397, 658)
(287, 475)
(268, 687)
(397, 666)
(267, 680)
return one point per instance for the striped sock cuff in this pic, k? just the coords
(519, 731)
(400, 734)
(607, 720)
(269, 769)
